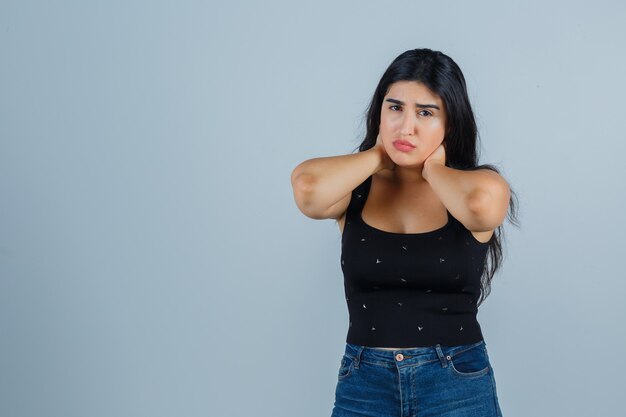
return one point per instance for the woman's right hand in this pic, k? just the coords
(385, 161)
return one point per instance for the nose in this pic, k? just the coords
(408, 124)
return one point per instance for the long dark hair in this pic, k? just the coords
(443, 77)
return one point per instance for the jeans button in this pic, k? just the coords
(399, 357)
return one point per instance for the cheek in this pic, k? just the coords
(386, 129)
(437, 132)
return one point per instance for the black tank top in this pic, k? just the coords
(410, 290)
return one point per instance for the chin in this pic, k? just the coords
(415, 165)
(407, 162)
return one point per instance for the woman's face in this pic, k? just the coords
(414, 114)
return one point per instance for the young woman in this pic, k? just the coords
(419, 221)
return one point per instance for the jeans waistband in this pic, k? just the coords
(408, 356)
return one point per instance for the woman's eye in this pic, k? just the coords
(395, 107)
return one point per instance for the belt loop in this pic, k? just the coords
(442, 358)
(359, 353)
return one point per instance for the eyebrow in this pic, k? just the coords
(418, 105)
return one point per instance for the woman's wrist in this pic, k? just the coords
(380, 161)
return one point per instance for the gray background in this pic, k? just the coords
(153, 261)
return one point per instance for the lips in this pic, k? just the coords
(403, 142)
(403, 145)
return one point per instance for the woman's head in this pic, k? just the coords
(426, 75)
(412, 123)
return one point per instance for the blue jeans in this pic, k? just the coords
(442, 381)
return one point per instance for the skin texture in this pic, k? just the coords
(413, 189)
(423, 127)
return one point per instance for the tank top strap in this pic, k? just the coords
(359, 196)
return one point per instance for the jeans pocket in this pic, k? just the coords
(346, 366)
(472, 362)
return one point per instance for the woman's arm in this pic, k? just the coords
(322, 186)
(479, 199)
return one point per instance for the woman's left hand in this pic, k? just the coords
(437, 157)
